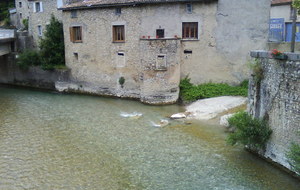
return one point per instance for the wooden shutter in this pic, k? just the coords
(71, 34)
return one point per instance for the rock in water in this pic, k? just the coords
(178, 116)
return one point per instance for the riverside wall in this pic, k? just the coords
(277, 98)
(11, 74)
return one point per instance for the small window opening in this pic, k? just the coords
(161, 62)
(187, 51)
(76, 55)
(40, 30)
(20, 4)
(38, 7)
(118, 11)
(189, 8)
(21, 15)
(73, 14)
(160, 33)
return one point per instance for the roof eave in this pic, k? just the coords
(128, 4)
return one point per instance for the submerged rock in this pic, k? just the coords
(178, 116)
(162, 123)
(133, 115)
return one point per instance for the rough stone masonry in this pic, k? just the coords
(277, 98)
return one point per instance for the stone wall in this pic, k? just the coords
(277, 98)
(10, 73)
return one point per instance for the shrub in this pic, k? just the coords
(52, 47)
(190, 92)
(248, 131)
(294, 157)
(25, 23)
(28, 58)
(257, 70)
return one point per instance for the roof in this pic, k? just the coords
(280, 2)
(86, 4)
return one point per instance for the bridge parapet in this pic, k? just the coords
(6, 38)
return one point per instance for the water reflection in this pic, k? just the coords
(54, 141)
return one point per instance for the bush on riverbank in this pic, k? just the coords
(249, 131)
(51, 54)
(191, 92)
(294, 157)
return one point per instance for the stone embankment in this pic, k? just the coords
(276, 98)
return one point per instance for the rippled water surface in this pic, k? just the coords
(54, 141)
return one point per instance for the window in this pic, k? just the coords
(118, 33)
(76, 34)
(160, 33)
(40, 32)
(189, 8)
(20, 4)
(190, 30)
(59, 3)
(161, 62)
(21, 15)
(37, 7)
(118, 11)
(73, 14)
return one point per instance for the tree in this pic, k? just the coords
(52, 48)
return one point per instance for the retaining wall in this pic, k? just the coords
(277, 98)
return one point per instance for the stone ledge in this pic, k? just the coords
(267, 54)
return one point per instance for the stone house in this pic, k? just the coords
(281, 15)
(153, 43)
(38, 13)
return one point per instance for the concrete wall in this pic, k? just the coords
(10, 73)
(277, 98)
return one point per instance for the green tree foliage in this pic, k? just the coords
(294, 157)
(296, 4)
(190, 92)
(4, 6)
(29, 58)
(52, 48)
(52, 51)
(248, 131)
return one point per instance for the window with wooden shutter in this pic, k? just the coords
(76, 34)
(190, 30)
(119, 33)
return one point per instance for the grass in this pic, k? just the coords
(191, 92)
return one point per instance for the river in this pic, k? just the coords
(61, 141)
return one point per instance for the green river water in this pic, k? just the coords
(58, 141)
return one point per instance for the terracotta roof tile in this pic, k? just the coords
(84, 4)
(280, 2)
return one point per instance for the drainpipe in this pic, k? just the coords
(294, 18)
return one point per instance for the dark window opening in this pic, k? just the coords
(188, 51)
(38, 7)
(190, 30)
(160, 33)
(20, 4)
(189, 8)
(74, 14)
(118, 11)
